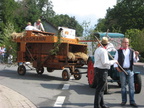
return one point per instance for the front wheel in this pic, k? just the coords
(65, 75)
(21, 70)
(40, 70)
(77, 74)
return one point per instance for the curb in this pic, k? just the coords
(11, 99)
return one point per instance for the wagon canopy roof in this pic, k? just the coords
(112, 35)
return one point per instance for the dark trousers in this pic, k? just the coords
(101, 77)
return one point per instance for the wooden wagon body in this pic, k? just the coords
(38, 47)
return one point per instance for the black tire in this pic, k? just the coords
(50, 69)
(21, 70)
(65, 75)
(137, 83)
(77, 74)
(40, 70)
(90, 73)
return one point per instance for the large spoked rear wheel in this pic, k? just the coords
(65, 75)
(40, 70)
(77, 74)
(137, 83)
(21, 70)
(90, 73)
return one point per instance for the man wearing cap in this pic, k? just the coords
(101, 66)
(39, 25)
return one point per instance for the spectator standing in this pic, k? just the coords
(10, 55)
(126, 57)
(2, 54)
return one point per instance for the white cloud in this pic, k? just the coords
(83, 9)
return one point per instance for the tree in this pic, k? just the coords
(30, 11)
(127, 14)
(7, 14)
(48, 10)
(100, 26)
(136, 40)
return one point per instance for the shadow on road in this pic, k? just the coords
(29, 76)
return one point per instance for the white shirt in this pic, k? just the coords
(39, 26)
(29, 27)
(126, 63)
(110, 47)
(2, 51)
(101, 59)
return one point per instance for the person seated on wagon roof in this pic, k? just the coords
(30, 27)
(39, 25)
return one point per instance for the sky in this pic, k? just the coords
(83, 10)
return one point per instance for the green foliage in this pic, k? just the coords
(7, 10)
(101, 25)
(127, 14)
(7, 40)
(49, 13)
(29, 11)
(55, 50)
(136, 40)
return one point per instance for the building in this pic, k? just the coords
(49, 27)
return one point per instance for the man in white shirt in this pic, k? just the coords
(101, 66)
(39, 25)
(126, 57)
(30, 27)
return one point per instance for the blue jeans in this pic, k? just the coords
(127, 79)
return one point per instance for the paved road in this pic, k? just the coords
(49, 90)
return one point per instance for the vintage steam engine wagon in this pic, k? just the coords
(45, 50)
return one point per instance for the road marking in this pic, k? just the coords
(59, 101)
(66, 86)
